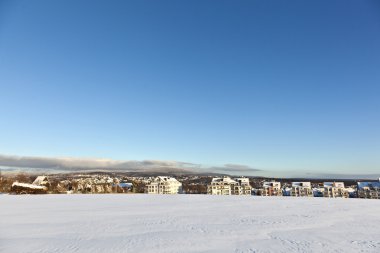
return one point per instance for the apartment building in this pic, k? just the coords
(334, 190)
(369, 190)
(301, 189)
(271, 188)
(243, 186)
(164, 185)
(228, 186)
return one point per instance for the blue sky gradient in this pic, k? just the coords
(274, 85)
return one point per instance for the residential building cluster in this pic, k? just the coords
(195, 185)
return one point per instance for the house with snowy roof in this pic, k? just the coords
(24, 188)
(39, 186)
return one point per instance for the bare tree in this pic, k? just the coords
(23, 178)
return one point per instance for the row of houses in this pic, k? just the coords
(241, 186)
(217, 186)
(304, 189)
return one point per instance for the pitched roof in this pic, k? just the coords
(40, 180)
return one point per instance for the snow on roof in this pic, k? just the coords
(30, 186)
(301, 184)
(40, 180)
(271, 184)
(223, 179)
(333, 184)
(165, 179)
(242, 179)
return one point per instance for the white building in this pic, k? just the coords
(301, 189)
(228, 186)
(369, 190)
(164, 185)
(243, 187)
(271, 188)
(334, 190)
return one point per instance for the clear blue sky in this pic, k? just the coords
(277, 85)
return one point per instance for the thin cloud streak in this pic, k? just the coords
(72, 164)
(236, 168)
(86, 164)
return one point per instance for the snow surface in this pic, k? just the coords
(187, 223)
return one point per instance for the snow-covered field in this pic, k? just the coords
(187, 223)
